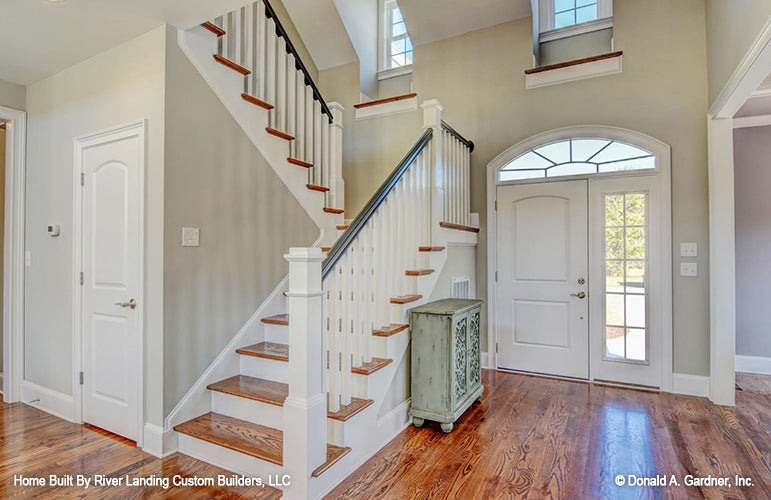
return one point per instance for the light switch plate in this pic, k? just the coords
(191, 236)
(688, 250)
(688, 269)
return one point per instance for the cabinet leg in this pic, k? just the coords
(417, 421)
(447, 428)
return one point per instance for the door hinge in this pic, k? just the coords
(81, 278)
(82, 179)
(81, 378)
(496, 276)
(496, 205)
(496, 350)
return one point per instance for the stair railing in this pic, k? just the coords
(256, 40)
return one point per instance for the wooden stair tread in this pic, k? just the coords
(389, 330)
(460, 227)
(371, 367)
(342, 227)
(251, 439)
(405, 299)
(419, 272)
(314, 187)
(333, 210)
(269, 350)
(334, 454)
(299, 163)
(384, 101)
(230, 64)
(257, 389)
(256, 102)
(326, 249)
(430, 249)
(279, 133)
(213, 28)
(278, 319)
(347, 412)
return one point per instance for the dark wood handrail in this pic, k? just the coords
(455, 134)
(350, 234)
(298, 63)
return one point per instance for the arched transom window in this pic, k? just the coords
(577, 157)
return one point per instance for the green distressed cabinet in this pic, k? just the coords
(446, 364)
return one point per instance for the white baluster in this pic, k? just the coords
(325, 336)
(324, 164)
(399, 235)
(355, 303)
(281, 85)
(334, 338)
(317, 144)
(368, 293)
(345, 344)
(291, 102)
(249, 46)
(308, 152)
(467, 185)
(227, 36)
(238, 36)
(270, 72)
(260, 50)
(300, 132)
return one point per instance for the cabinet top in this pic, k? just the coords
(446, 306)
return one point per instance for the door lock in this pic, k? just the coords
(580, 295)
(131, 303)
(581, 281)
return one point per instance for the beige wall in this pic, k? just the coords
(662, 92)
(732, 26)
(576, 47)
(752, 176)
(216, 180)
(118, 86)
(13, 95)
(294, 36)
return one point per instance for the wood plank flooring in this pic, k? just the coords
(36, 444)
(534, 438)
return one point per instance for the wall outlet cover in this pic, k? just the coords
(191, 237)
(688, 250)
(688, 269)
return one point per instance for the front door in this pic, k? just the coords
(111, 280)
(542, 267)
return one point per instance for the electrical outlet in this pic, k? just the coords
(688, 269)
(688, 250)
(191, 237)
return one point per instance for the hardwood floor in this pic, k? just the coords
(539, 438)
(35, 444)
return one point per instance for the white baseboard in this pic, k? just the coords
(1, 384)
(753, 364)
(158, 441)
(485, 360)
(50, 401)
(690, 385)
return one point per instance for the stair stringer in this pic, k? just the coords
(199, 45)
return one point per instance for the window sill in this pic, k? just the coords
(579, 69)
(394, 72)
(575, 29)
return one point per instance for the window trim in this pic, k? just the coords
(547, 31)
(384, 43)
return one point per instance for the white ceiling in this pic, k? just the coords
(759, 102)
(322, 31)
(40, 38)
(432, 20)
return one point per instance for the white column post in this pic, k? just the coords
(336, 183)
(305, 409)
(432, 118)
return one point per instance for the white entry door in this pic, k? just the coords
(111, 253)
(542, 309)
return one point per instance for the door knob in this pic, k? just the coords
(580, 295)
(131, 303)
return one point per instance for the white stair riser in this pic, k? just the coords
(246, 409)
(268, 369)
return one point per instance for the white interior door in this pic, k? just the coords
(542, 309)
(111, 283)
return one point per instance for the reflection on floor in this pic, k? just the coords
(539, 438)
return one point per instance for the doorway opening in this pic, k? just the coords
(579, 251)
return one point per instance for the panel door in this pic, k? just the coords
(111, 266)
(542, 309)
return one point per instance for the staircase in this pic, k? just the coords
(302, 395)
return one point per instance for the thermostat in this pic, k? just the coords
(53, 230)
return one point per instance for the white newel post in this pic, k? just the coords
(305, 409)
(432, 118)
(336, 183)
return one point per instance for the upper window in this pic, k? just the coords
(396, 46)
(570, 12)
(577, 157)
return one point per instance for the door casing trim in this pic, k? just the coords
(134, 129)
(663, 154)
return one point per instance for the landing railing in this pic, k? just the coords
(256, 40)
